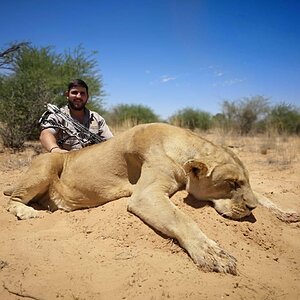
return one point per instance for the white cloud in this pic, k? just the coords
(229, 82)
(218, 73)
(232, 81)
(215, 70)
(166, 78)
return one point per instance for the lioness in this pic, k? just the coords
(148, 164)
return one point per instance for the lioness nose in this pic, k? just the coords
(250, 207)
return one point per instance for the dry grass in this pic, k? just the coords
(278, 150)
(127, 124)
(13, 160)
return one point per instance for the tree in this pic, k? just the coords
(244, 114)
(38, 76)
(192, 119)
(7, 55)
(20, 107)
(132, 113)
(285, 118)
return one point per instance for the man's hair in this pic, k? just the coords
(78, 82)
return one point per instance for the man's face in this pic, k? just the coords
(77, 97)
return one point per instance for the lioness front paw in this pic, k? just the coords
(21, 211)
(214, 259)
(288, 217)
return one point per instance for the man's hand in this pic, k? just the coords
(59, 150)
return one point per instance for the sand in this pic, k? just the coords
(108, 253)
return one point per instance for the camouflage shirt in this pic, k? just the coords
(67, 135)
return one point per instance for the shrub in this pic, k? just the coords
(131, 113)
(245, 115)
(285, 118)
(192, 119)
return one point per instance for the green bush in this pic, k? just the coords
(285, 118)
(245, 115)
(131, 113)
(21, 105)
(192, 119)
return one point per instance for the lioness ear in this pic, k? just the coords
(196, 167)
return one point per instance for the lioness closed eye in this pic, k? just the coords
(148, 164)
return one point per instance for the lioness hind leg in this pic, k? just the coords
(21, 211)
(33, 184)
(288, 216)
(151, 203)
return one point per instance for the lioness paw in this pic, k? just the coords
(215, 259)
(22, 211)
(223, 262)
(288, 217)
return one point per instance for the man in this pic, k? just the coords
(57, 135)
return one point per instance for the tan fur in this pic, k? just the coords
(148, 164)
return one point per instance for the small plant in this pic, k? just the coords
(264, 149)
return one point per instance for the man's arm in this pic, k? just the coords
(48, 141)
(105, 131)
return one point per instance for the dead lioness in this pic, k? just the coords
(148, 164)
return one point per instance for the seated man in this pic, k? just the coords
(57, 135)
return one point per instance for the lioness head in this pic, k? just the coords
(226, 185)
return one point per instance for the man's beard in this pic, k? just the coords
(74, 107)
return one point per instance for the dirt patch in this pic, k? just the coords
(108, 253)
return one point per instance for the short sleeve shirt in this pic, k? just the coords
(66, 134)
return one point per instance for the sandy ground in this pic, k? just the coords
(108, 253)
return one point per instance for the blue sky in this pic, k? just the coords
(170, 55)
